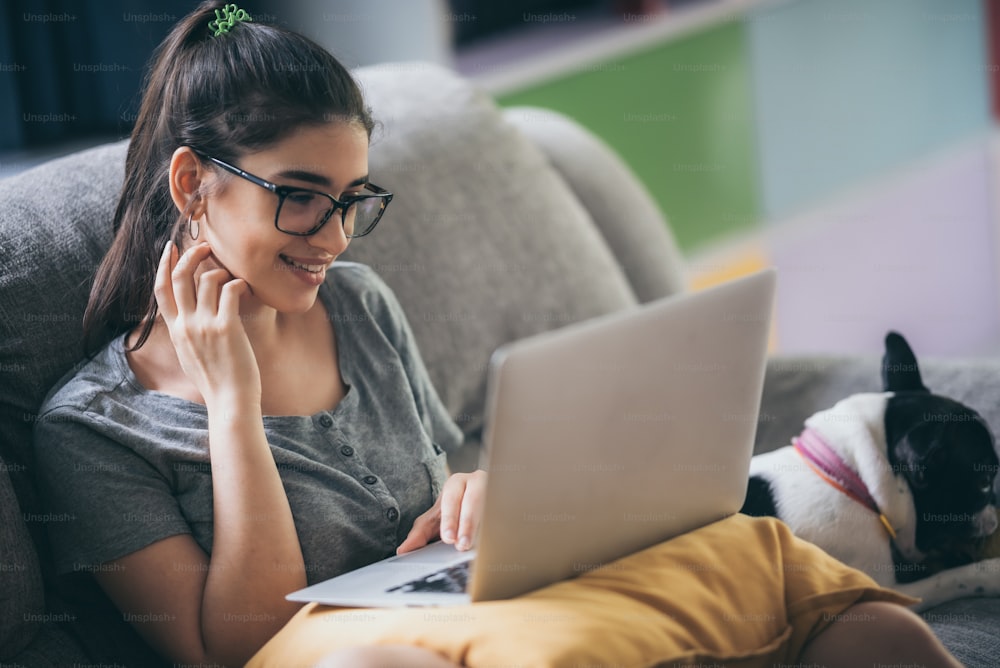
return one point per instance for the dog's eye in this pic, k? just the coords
(987, 486)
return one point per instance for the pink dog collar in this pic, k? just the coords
(830, 466)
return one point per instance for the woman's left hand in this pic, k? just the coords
(454, 516)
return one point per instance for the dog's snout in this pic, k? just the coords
(985, 521)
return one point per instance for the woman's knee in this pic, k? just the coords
(890, 620)
(877, 630)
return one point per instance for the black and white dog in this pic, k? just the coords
(898, 484)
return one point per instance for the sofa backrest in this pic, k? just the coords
(54, 227)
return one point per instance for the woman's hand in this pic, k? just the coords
(193, 597)
(454, 516)
(202, 314)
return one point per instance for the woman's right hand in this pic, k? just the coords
(202, 314)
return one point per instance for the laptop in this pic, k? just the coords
(601, 438)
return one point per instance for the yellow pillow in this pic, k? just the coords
(743, 591)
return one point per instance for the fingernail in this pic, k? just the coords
(463, 543)
(448, 535)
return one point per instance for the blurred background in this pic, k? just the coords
(850, 143)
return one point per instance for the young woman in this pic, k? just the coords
(255, 416)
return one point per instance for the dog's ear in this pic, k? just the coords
(919, 452)
(900, 372)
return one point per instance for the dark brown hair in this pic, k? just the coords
(222, 96)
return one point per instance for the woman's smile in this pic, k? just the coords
(311, 271)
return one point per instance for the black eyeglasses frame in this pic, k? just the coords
(282, 192)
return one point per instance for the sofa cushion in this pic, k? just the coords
(968, 628)
(55, 225)
(54, 647)
(21, 597)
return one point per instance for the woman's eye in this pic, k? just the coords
(301, 198)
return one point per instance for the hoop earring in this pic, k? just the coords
(194, 228)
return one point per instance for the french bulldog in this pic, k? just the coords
(898, 484)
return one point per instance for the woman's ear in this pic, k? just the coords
(186, 176)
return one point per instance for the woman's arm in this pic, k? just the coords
(221, 609)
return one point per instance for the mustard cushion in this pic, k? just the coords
(743, 591)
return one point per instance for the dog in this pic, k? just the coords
(898, 484)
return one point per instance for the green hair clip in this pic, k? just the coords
(226, 18)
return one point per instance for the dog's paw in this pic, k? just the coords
(990, 546)
(981, 578)
(988, 568)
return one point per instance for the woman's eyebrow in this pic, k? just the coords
(302, 175)
(317, 179)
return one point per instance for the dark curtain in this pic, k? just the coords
(492, 17)
(71, 69)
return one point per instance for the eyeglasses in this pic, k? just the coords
(303, 212)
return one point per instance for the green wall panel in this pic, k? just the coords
(680, 116)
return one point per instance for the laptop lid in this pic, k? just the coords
(611, 435)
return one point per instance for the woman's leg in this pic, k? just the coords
(876, 633)
(384, 656)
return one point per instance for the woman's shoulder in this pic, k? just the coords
(92, 377)
(355, 277)
(357, 294)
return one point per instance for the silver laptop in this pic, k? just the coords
(602, 438)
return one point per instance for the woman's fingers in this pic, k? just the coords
(425, 529)
(182, 277)
(451, 507)
(472, 502)
(229, 297)
(176, 289)
(163, 287)
(210, 283)
(461, 501)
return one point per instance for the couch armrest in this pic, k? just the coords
(624, 212)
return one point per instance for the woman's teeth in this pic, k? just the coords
(311, 268)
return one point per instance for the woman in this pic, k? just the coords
(256, 417)
(170, 416)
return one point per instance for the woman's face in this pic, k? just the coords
(285, 271)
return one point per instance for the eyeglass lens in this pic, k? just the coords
(302, 211)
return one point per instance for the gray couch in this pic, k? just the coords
(504, 224)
